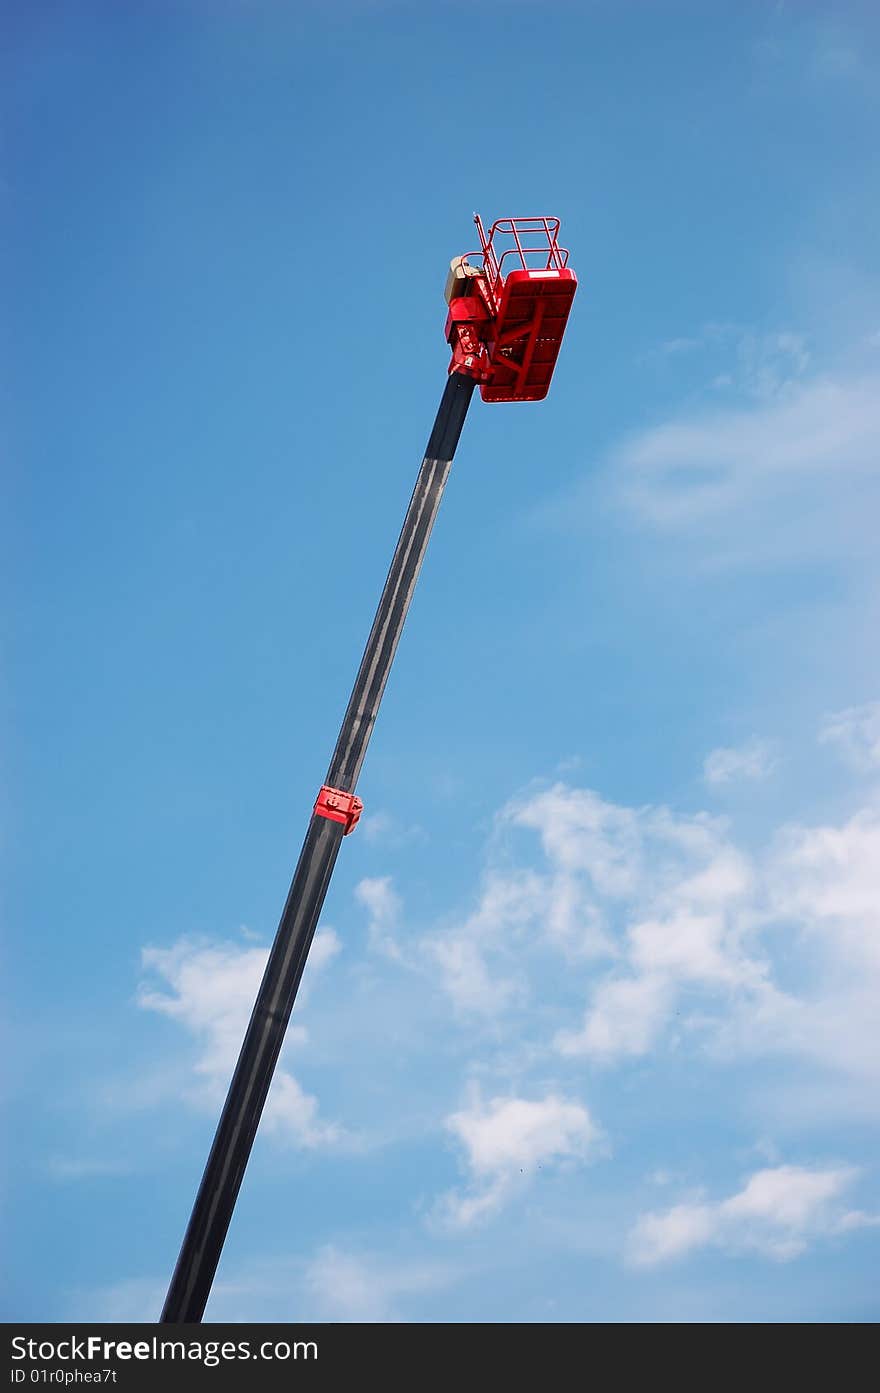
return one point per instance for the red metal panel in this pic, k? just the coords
(527, 334)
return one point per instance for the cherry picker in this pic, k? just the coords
(509, 303)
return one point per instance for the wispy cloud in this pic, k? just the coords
(754, 760)
(757, 364)
(73, 1168)
(481, 956)
(377, 895)
(670, 930)
(131, 1300)
(383, 829)
(209, 989)
(674, 888)
(693, 931)
(465, 975)
(505, 1142)
(777, 1213)
(856, 731)
(625, 1016)
(342, 1285)
(789, 479)
(333, 1283)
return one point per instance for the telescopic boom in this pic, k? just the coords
(504, 326)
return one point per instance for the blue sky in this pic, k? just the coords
(590, 1027)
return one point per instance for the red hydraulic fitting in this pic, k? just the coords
(338, 806)
(467, 323)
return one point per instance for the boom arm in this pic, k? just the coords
(335, 813)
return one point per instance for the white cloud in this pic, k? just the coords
(466, 976)
(346, 1288)
(625, 1016)
(343, 1286)
(662, 1236)
(752, 761)
(457, 956)
(581, 833)
(777, 1213)
(376, 826)
(824, 882)
(592, 856)
(664, 891)
(827, 878)
(671, 348)
(131, 1301)
(682, 938)
(857, 731)
(763, 365)
(332, 1284)
(642, 887)
(382, 904)
(209, 989)
(728, 480)
(506, 910)
(71, 1168)
(505, 1142)
(777, 954)
(771, 364)
(383, 829)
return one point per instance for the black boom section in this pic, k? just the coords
(406, 563)
(215, 1201)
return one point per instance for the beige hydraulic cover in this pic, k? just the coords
(460, 272)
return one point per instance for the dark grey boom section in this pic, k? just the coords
(215, 1201)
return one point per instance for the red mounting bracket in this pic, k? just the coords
(338, 806)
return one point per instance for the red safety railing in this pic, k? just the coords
(532, 242)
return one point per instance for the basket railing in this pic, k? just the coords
(532, 243)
